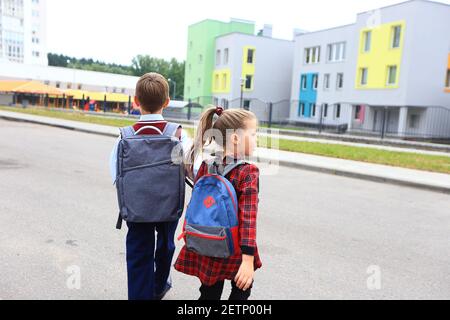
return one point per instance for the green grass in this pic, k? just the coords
(416, 161)
(431, 163)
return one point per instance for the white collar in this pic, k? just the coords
(151, 117)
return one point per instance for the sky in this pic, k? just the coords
(115, 31)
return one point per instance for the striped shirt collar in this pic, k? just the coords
(151, 117)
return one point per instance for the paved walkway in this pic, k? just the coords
(381, 173)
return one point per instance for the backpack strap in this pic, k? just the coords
(171, 129)
(127, 132)
(231, 167)
(214, 168)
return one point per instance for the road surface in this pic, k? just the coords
(320, 236)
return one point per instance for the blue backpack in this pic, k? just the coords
(211, 227)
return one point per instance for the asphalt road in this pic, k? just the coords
(320, 236)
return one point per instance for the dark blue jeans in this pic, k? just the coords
(149, 269)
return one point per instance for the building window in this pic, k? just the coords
(225, 103)
(363, 76)
(392, 75)
(218, 53)
(447, 83)
(58, 85)
(200, 58)
(326, 81)
(216, 82)
(413, 121)
(247, 105)
(248, 82)
(226, 54)
(338, 111)
(69, 86)
(336, 52)
(315, 81)
(396, 36)
(81, 87)
(199, 82)
(340, 81)
(122, 90)
(224, 81)
(191, 44)
(301, 109)
(313, 112)
(325, 110)
(358, 112)
(250, 56)
(216, 101)
(312, 55)
(367, 40)
(304, 83)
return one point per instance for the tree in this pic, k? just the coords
(141, 64)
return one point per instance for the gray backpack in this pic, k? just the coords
(150, 176)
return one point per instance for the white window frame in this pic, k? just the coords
(226, 55)
(325, 110)
(304, 82)
(388, 82)
(338, 107)
(218, 56)
(302, 109)
(326, 81)
(312, 55)
(340, 75)
(395, 43)
(224, 81)
(364, 75)
(367, 39)
(336, 52)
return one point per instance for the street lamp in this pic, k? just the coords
(174, 88)
(242, 92)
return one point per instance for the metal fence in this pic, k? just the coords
(407, 123)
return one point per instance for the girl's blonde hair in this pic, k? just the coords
(230, 119)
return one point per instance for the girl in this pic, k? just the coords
(237, 131)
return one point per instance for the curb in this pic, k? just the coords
(406, 144)
(290, 164)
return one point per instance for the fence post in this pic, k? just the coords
(383, 127)
(270, 114)
(104, 103)
(189, 110)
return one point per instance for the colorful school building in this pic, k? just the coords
(390, 71)
(390, 68)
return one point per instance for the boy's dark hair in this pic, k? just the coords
(152, 91)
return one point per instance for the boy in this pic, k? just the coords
(149, 270)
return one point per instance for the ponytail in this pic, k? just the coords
(206, 123)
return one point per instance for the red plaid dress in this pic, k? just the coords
(245, 180)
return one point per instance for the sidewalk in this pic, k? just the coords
(373, 172)
(314, 136)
